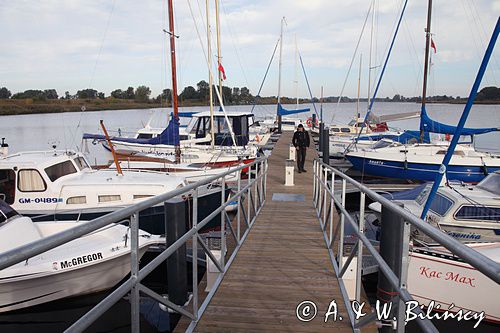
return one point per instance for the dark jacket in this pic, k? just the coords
(300, 139)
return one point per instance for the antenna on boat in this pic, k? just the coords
(175, 101)
(426, 63)
(115, 158)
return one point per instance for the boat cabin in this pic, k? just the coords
(199, 127)
(29, 173)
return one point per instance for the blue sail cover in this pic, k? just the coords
(170, 136)
(284, 112)
(429, 125)
(187, 114)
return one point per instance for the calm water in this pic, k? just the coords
(41, 131)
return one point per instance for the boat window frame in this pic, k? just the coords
(449, 207)
(67, 174)
(39, 174)
(474, 220)
(11, 173)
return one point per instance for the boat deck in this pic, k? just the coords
(283, 262)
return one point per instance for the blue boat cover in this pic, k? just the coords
(284, 112)
(429, 125)
(187, 114)
(170, 136)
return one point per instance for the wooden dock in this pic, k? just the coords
(283, 262)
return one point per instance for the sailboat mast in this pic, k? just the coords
(279, 72)
(359, 88)
(370, 54)
(296, 74)
(175, 102)
(217, 23)
(426, 62)
(210, 79)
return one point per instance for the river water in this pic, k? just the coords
(65, 130)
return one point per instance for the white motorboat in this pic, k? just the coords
(61, 185)
(466, 212)
(92, 263)
(434, 274)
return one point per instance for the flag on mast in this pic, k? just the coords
(433, 45)
(221, 69)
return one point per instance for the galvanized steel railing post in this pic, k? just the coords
(134, 271)
(325, 184)
(223, 225)
(249, 197)
(340, 254)
(332, 205)
(314, 182)
(195, 255)
(361, 229)
(403, 274)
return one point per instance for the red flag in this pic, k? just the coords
(433, 45)
(221, 69)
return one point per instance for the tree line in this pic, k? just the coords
(231, 96)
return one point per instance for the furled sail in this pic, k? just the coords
(284, 112)
(432, 126)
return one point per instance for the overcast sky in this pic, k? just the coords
(105, 44)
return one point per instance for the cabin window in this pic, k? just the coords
(203, 127)
(7, 186)
(291, 123)
(335, 129)
(109, 198)
(441, 204)
(145, 136)
(77, 200)
(30, 180)
(345, 130)
(81, 163)
(60, 170)
(478, 213)
(142, 196)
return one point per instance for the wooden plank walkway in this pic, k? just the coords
(283, 262)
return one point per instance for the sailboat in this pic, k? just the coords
(422, 161)
(218, 138)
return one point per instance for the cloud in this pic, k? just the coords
(114, 44)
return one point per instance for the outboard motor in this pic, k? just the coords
(4, 148)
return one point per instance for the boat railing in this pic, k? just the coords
(326, 201)
(251, 193)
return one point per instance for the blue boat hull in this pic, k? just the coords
(418, 171)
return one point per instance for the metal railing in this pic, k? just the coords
(326, 202)
(255, 195)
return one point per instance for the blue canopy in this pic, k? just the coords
(429, 125)
(170, 136)
(284, 112)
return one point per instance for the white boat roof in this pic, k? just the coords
(36, 159)
(221, 114)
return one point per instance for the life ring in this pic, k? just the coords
(309, 122)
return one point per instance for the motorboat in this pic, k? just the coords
(470, 213)
(92, 263)
(435, 275)
(60, 185)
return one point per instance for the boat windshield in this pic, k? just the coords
(491, 183)
(6, 211)
(382, 144)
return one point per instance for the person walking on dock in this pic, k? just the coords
(301, 142)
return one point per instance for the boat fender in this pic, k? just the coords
(484, 168)
(405, 164)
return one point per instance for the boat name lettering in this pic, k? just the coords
(461, 235)
(40, 200)
(81, 260)
(448, 276)
(375, 162)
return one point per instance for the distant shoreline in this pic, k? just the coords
(20, 107)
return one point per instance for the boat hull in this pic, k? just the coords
(419, 171)
(447, 281)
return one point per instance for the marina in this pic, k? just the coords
(210, 209)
